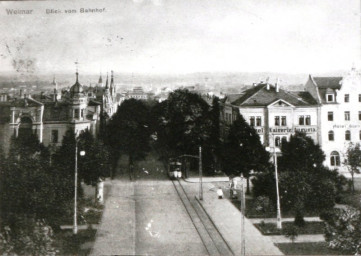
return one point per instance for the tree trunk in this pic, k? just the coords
(299, 221)
(96, 193)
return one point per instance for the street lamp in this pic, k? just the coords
(200, 175)
(243, 211)
(82, 153)
(279, 221)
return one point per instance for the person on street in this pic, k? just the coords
(220, 193)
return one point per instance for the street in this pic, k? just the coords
(146, 216)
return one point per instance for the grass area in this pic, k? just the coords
(319, 248)
(311, 227)
(351, 199)
(252, 212)
(81, 244)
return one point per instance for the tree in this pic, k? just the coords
(243, 151)
(128, 131)
(94, 166)
(215, 132)
(353, 161)
(182, 124)
(343, 230)
(305, 184)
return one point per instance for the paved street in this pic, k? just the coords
(146, 217)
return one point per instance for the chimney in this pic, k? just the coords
(277, 87)
(268, 86)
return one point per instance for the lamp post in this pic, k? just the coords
(200, 175)
(243, 210)
(82, 153)
(279, 220)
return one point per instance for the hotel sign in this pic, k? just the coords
(285, 130)
(347, 126)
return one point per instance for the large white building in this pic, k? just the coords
(276, 113)
(339, 100)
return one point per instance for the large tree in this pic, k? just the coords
(182, 123)
(353, 161)
(243, 150)
(128, 131)
(305, 184)
(95, 164)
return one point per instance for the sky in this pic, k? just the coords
(181, 36)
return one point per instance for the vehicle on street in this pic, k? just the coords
(174, 170)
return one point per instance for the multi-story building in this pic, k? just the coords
(50, 117)
(276, 113)
(339, 121)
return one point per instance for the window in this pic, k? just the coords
(347, 115)
(330, 116)
(347, 97)
(330, 97)
(360, 135)
(54, 136)
(359, 115)
(335, 158)
(308, 120)
(304, 120)
(284, 123)
(252, 121)
(284, 139)
(277, 121)
(277, 141)
(259, 121)
(331, 136)
(82, 113)
(359, 98)
(76, 113)
(301, 120)
(347, 135)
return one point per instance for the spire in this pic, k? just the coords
(100, 79)
(76, 66)
(106, 83)
(55, 83)
(111, 82)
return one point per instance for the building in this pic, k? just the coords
(276, 114)
(137, 93)
(49, 117)
(339, 99)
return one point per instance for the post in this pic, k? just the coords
(75, 227)
(279, 221)
(200, 175)
(243, 211)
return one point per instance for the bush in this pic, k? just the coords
(291, 232)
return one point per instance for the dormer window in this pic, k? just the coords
(330, 97)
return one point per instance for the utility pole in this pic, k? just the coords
(243, 211)
(200, 175)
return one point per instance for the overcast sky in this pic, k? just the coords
(181, 36)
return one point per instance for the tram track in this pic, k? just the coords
(212, 240)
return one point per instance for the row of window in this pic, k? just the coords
(331, 98)
(279, 120)
(331, 135)
(346, 114)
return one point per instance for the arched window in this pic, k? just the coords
(335, 158)
(347, 135)
(360, 135)
(331, 136)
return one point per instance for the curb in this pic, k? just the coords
(229, 247)
(220, 179)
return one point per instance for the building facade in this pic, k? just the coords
(339, 99)
(49, 117)
(276, 114)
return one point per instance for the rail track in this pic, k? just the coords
(212, 239)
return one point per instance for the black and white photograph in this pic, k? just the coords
(180, 127)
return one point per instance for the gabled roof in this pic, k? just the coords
(26, 102)
(259, 95)
(328, 82)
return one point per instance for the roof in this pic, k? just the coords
(26, 102)
(328, 82)
(260, 96)
(76, 88)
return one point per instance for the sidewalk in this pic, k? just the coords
(110, 240)
(273, 220)
(227, 218)
(208, 179)
(299, 239)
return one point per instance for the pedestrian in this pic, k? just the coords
(220, 193)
